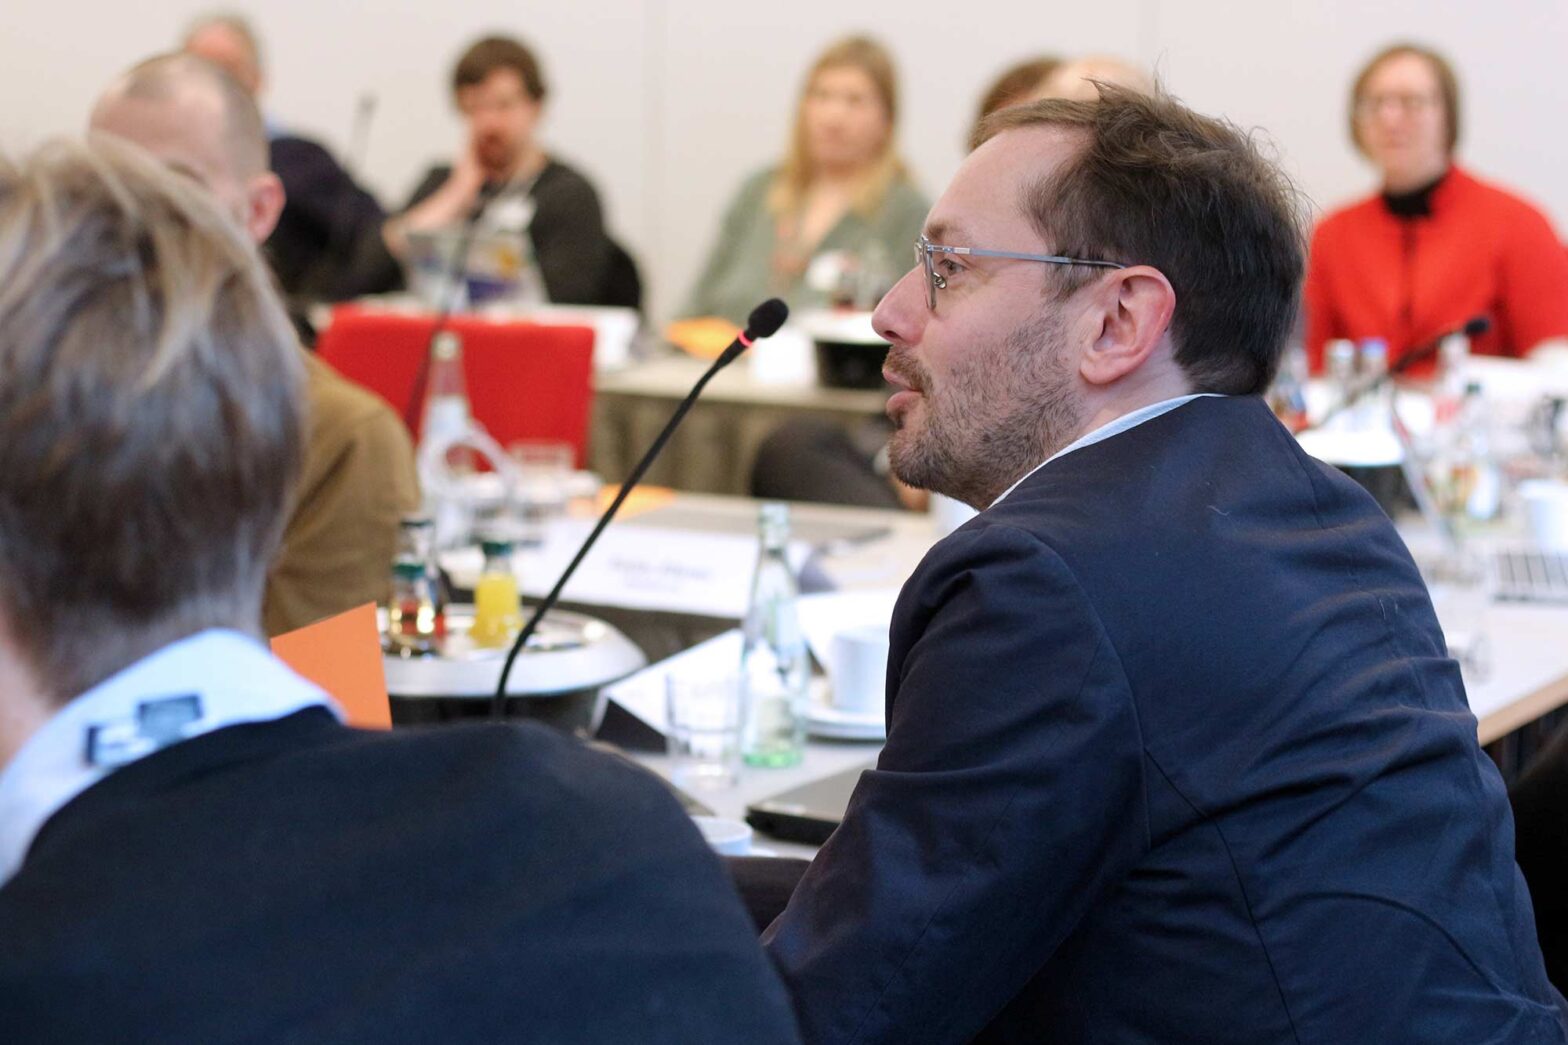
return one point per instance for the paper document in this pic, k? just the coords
(643, 693)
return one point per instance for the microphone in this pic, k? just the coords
(1473, 327)
(359, 135)
(764, 321)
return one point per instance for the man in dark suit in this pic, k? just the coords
(192, 847)
(1175, 751)
(329, 222)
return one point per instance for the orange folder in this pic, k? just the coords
(342, 655)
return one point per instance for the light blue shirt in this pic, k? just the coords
(1110, 428)
(213, 679)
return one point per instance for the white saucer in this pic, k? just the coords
(832, 724)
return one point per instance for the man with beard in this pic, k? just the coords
(1175, 751)
(508, 185)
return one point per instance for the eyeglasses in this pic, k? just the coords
(1404, 104)
(925, 251)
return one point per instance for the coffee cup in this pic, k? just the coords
(858, 669)
(1546, 509)
(726, 837)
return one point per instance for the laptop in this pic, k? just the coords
(808, 813)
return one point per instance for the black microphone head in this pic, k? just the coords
(1477, 325)
(766, 319)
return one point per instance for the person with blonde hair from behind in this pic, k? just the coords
(359, 474)
(192, 847)
(839, 207)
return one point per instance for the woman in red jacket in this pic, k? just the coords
(1436, 246)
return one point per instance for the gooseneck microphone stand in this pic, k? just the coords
(764, 321)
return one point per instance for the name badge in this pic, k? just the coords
(156, 724)
(510, 214)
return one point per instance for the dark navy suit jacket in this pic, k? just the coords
(1175, 754)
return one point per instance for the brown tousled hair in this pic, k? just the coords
(1158, 184)
(150, 422)
(491, 53)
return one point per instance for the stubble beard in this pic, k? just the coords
(991, 422)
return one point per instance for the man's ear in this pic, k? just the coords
(263, 204)
(24, 705)
(1134, 307)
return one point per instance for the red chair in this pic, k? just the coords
(525, 381)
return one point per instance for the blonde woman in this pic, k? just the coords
(838, 210)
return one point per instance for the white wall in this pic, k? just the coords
(668, 103)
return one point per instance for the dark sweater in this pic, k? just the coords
(580, 263)
(300, 881)
(327, 223)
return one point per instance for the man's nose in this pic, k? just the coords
(902, 312)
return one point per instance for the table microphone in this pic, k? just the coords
(764, 321)
(359, 135)
(1473, 327)
(456, 280)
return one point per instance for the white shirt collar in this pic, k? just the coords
(1113, 427)
(221, 677)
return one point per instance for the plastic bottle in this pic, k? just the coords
(1372, 408)
(498, 608)
(1453, 364)
(415, 624)
(1470, 484)
(416, 611)
(774, 667)
(1340, 366)
(1288, 395)
(446, 415)
(446, 426)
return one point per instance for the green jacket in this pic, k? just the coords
(739, 273)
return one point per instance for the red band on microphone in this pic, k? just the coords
(743, 339)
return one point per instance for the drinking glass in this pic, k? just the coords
(543, 474)
(703, 715)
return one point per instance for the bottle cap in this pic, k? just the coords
(446, 345)
(495, 546)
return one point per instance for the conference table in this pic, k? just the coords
(871, 550)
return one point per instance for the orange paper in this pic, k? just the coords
(704, 337)
(342, 655)
(640, 500)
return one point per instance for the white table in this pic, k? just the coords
(1529, 668)
(822, 759)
